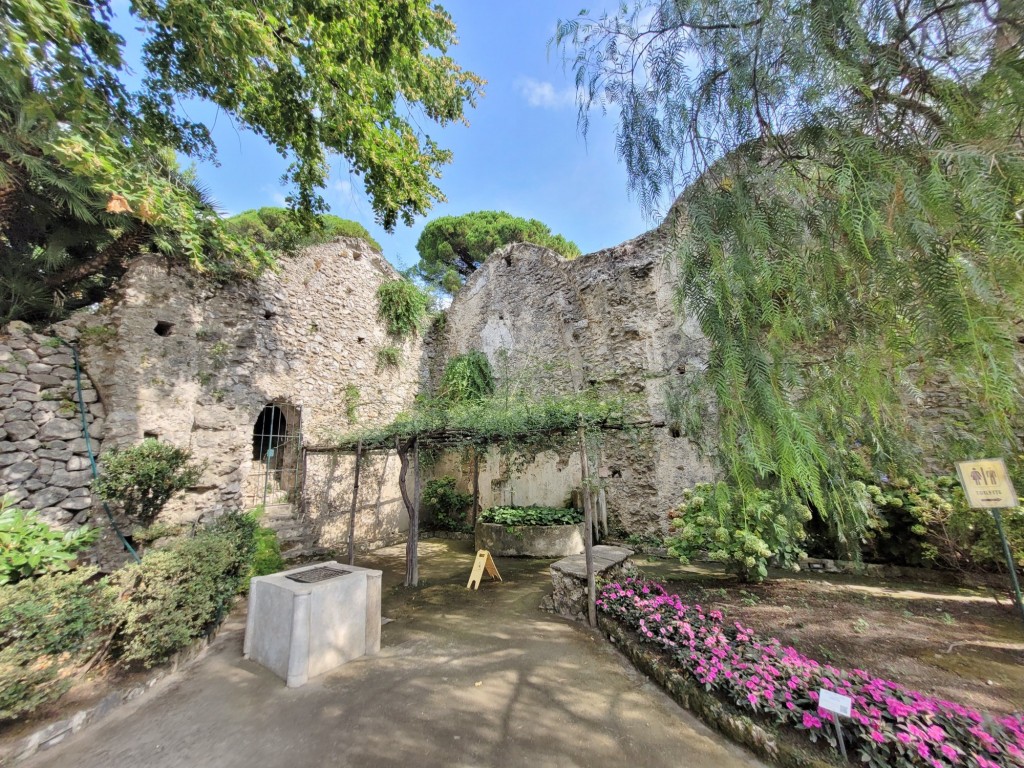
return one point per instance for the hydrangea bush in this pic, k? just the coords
(890, 725)
(745, 532)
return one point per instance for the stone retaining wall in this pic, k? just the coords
(44, 464)
(529, 540)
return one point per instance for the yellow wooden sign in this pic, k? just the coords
(986, 484)
(484, 562)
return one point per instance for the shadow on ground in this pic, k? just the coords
(464, 678)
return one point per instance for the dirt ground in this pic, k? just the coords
(957, 644)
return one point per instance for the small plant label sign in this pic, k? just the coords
(834, 702)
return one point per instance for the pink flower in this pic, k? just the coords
(877, 736)
(810, 721)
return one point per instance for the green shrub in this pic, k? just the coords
(266, 557)
(446, 504)
(745, 533)
(48, 626)
(144, 477)
(402, 307)
(514, 517)
(925, 521)
(177, 594)
(29, 547)
(467, 378)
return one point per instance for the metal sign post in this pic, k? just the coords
(987, 485)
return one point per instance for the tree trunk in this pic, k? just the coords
(411, 552)
(476, 487)
(352, 516)
(588, 526)
(126, 246)
(412, 566)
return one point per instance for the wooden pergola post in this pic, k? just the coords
(588, 526)
(476, 486)
(352, 515)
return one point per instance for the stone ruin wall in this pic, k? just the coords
(608, 319)
(193, 363)
(44, 463)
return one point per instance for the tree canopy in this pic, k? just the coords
(87, 156)
(852, 233)
(451, 248)
(278, 229)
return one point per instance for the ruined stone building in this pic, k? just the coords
(254, 378)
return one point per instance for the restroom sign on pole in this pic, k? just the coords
(987, 485)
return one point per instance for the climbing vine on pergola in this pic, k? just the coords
(516, 424)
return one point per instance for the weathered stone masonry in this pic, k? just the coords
(43, 459)
(194, 363)
(606, 318)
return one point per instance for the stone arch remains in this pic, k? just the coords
(275, 476)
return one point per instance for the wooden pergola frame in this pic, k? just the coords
(409, 446)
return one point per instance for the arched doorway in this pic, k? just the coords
(276, 451)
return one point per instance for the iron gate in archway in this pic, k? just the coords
(276, 475)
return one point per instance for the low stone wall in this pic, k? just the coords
(569, 578)
(44, 464)
(529, 540)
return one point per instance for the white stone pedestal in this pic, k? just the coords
(301, 630)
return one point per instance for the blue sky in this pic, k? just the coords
(521, 152)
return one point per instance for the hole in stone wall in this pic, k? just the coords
(163, 328)
(675, 431)
(360, 339)
(150, 436)
(267, 314)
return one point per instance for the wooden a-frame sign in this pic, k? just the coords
(484, 562)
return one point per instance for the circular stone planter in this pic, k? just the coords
(530, 540)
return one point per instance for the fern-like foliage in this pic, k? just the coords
(851, 236)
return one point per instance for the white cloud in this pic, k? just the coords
(342, 187)
(280, 199)
(542, 94)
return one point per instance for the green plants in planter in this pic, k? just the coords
(144, 477)
(517, 517)
(447, 504)
(29, 547)
(743, 531)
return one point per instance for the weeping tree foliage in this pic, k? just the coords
(851, 234)
(79, 140)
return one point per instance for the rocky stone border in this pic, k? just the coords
(44, 463)
(54, 733)
(761, 739)
(529, 540)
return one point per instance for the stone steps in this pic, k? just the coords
(295, 539)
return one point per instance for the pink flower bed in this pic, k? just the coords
(889, 725)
